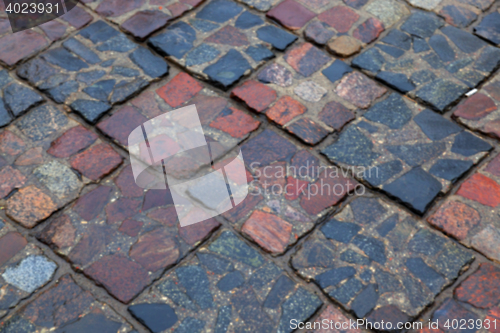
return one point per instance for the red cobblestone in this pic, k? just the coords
(291, 14)
(30, 157)
(180, 89)
(71, 142)
(155, 250)
(341, 18)
(332, 314)
(235, 122)
(97, 161)
(10, 179)
(285, 109)
(269, 231)
(255, 95)
(126, 183)
(131, 227)
(21, 45)
(359, 90)
(481, 289)
(195, 233)
(336, 115)
(122, 277)
(29, 206)
(481, 189)
(60, 232)
(455, 218)
(228, 35)
(89, 205)
(475, 107)
(11, 144)
(10, 245)
(121, 124)
(369, 30)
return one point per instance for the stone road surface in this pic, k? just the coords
(332, 85)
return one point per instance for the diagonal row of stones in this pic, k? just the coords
(372, 257)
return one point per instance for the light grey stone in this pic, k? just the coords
(32, 273)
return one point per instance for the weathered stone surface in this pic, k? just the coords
(401, 145)
(60, 70)
(30, 205)
(443, 64)
(224, 56)
(469, 214)
(226, 284)
(372, 234)
(65, 307)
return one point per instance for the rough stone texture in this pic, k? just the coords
(371, 251)
(16, 98)
(481, 111)
(93, 234)
(40, 151)
(66, 307)
(458, 13)
(470, 214)
(23, 269)
(305, 92)
(221, 43)
(346, 26)
(285, 196)
(377, 262)
(141, 18)
(489, 28)
(475, 299)
(227, 284)
(14, 48)
(85, 74)
(430, 60)
(399, 144)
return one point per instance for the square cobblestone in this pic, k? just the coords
(471, 214)
(16, 98)
(489, 28)
(93, 70)
(374, 258)
(122, 236)
(221, 43)
(458, 13)
(226, 286)
(48, 158)
(20, 46)
(66, 307)
(339, 24)
(481, 111)
(23, 269)
(142, 18)
(430, 60)
(399, 145)
(310, 94)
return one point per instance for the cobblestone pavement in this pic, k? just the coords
(408, 91)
